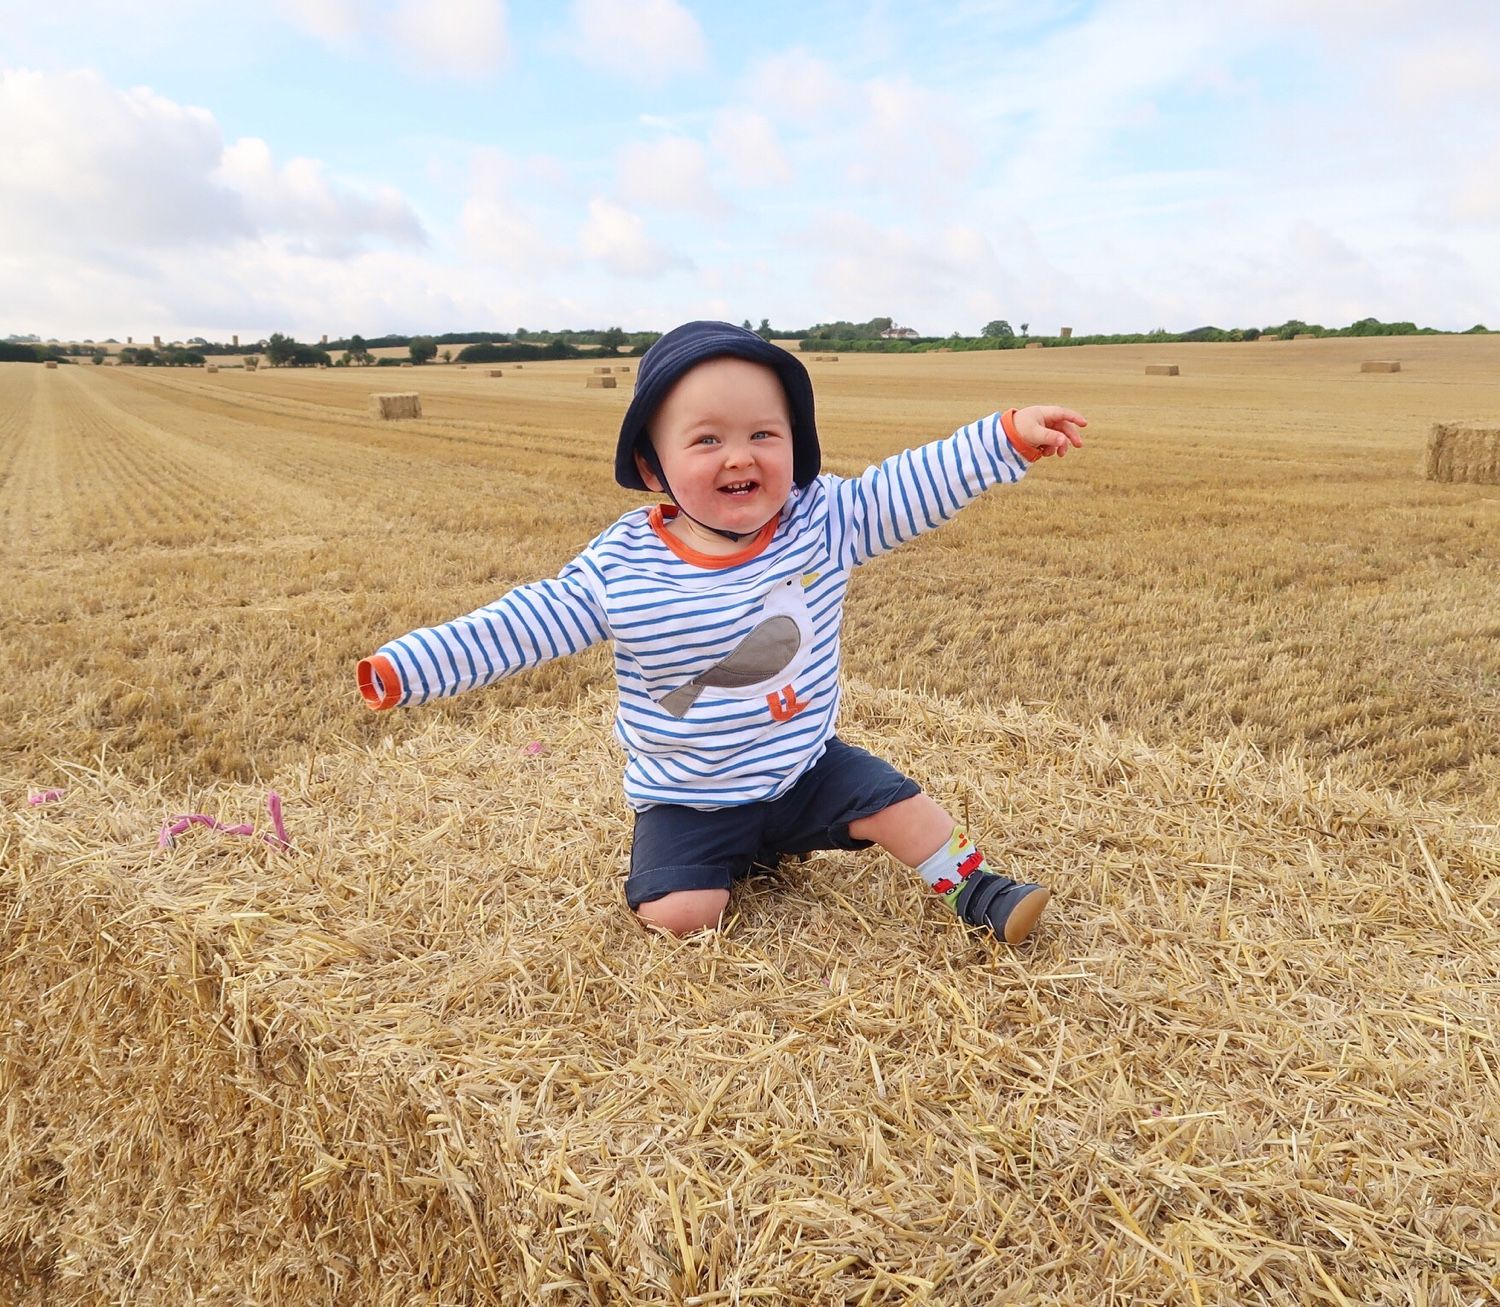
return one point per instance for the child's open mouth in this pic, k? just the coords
(740, 488)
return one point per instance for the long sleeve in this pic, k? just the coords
(919, 489)
(529, 625)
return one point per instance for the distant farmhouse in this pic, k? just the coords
(893, 332)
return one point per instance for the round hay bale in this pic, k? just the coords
(1161, 369)
(407, 404)
(1380, 365)
(1464, 451)
(600, 383)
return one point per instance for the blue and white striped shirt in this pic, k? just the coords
(728, 668)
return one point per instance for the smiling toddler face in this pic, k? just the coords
(724, 438)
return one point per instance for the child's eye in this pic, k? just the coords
(706, 440)
(763, 435)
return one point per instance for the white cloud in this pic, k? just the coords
(501, 226)
(114, 174)
(336, 22)
(93, 166)
(748, 149)
(617, 238)
(299, 199)
(465, 38)
(671, 173)
(914, 142)
(793, 84)
(642, 40)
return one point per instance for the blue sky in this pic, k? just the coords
(379, 166)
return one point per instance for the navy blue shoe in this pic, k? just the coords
(1001, 905)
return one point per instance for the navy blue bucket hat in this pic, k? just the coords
(690, 344)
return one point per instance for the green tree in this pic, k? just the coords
(422, 348)
(999, 329)
(746, 325)
(446, 356)
(613, 339)
(280, 350)
(1025, 328)
(764, 330)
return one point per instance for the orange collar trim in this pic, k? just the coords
(658, 522)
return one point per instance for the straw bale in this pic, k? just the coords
(497, 372)
(623, 367)
(1304, 335)
(406, 365)
(211, 367)
(1459, 451)
(601, 371)
(600, 383)
(825, 358)
(50, 363)
(1380, 365)
(1035, 344)
(427, 1057)
(1161, 369)
(407, 404)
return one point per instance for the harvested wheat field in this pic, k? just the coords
(1228, 679)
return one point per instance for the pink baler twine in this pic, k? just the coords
(175, 826)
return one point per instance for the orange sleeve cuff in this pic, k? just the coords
(379, 682)
(1024, 448)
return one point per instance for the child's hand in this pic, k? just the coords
(1050, 429)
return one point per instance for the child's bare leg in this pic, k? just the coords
(685, 910)
(920, 832)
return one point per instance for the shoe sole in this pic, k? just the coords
(1024, 916)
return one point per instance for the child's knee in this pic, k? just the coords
(686, 910)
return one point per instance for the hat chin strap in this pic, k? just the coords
(648, 452)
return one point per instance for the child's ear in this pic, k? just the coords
(648, 476)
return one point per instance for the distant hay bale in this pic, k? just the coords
(600, 383)
(406, 365)
(1065, 333)
(624, 367)
(1462, 451)
(825, 358)
(211, 367)
(1380, 365)
(1035, 344)
(1161, 369)
(497, 372)
(405, 405)
(518, 367)
(602, 370)
(51, 363)
(1304, 335)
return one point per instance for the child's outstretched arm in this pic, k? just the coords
(919, 489)
(530, 625)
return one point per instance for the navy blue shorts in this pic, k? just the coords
(678, 848)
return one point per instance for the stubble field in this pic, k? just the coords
(1228, 678)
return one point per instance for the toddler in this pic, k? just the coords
(725, 610)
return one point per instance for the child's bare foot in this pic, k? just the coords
(1009, 909)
